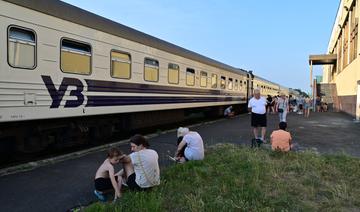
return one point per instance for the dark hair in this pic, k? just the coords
(113, 152)
(138, 140)
(282, 125)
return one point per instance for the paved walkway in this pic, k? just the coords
(63, 185)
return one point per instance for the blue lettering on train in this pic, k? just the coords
(58, 94)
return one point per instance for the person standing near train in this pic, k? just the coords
(282, 107)
(257, 107)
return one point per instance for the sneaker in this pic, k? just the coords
(100, 196)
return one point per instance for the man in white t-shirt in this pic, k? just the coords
(191, 147)
(257, 107)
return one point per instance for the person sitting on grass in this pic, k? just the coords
(141, 167)
(190, 146)
(281, 139)
(105, 177)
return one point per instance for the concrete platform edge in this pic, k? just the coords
(36, 164)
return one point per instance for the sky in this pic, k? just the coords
(272, 38)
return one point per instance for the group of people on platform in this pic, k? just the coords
(258, 106)
(141, 168)
(300, 105)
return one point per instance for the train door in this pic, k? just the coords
(250, 85)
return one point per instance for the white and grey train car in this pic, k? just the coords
(66, 74)
(265, 86)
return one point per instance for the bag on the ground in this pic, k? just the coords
(280, 110)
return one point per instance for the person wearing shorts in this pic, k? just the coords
(307, 106)
(106, 178)
(257, 107)
(141, 167)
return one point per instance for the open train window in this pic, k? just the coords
(173, 73)
(203, 79)
(213, 81)
(75, 57)
(21, 48)
(230, 84)
(151, 70)
(120, 65)
(223, 82)
(190, 76)
(236, 85)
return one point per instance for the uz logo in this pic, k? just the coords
(58, 94)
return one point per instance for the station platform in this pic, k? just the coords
(64, 185)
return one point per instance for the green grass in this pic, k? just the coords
(234, 178)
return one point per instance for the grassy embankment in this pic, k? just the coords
(233, 178)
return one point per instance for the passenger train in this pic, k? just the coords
(68, 76)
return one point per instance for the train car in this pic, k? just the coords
(284, 90)
(266, 87)
(69, 76)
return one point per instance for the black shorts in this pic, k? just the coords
(103, 184)
(258, 120)
(132, 183)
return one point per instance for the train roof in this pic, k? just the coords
(77, 15)
(255, 76)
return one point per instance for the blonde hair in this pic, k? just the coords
(182, 131)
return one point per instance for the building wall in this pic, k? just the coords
(346, 72)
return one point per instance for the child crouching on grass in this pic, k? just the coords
(105, 178)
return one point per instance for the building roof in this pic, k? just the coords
(323, 59)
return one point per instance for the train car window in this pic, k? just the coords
(213, 81)
(190, 76)
(120, 65)
(173, 73)
(21, 48)
(203, 79)
(151, 70)
(75, 57)
(236, 85)
(223, 82)
(230, 84)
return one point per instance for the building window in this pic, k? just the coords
(236, 85)
(213, 81)
(173, 73)
(339, 53)
(151, 70)
(230, 84)
(346, 46)
(21, 48)
(120, 65)
(75, 57)
(223, 82)
(203, 79)
(354, 34)
(190, 76)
